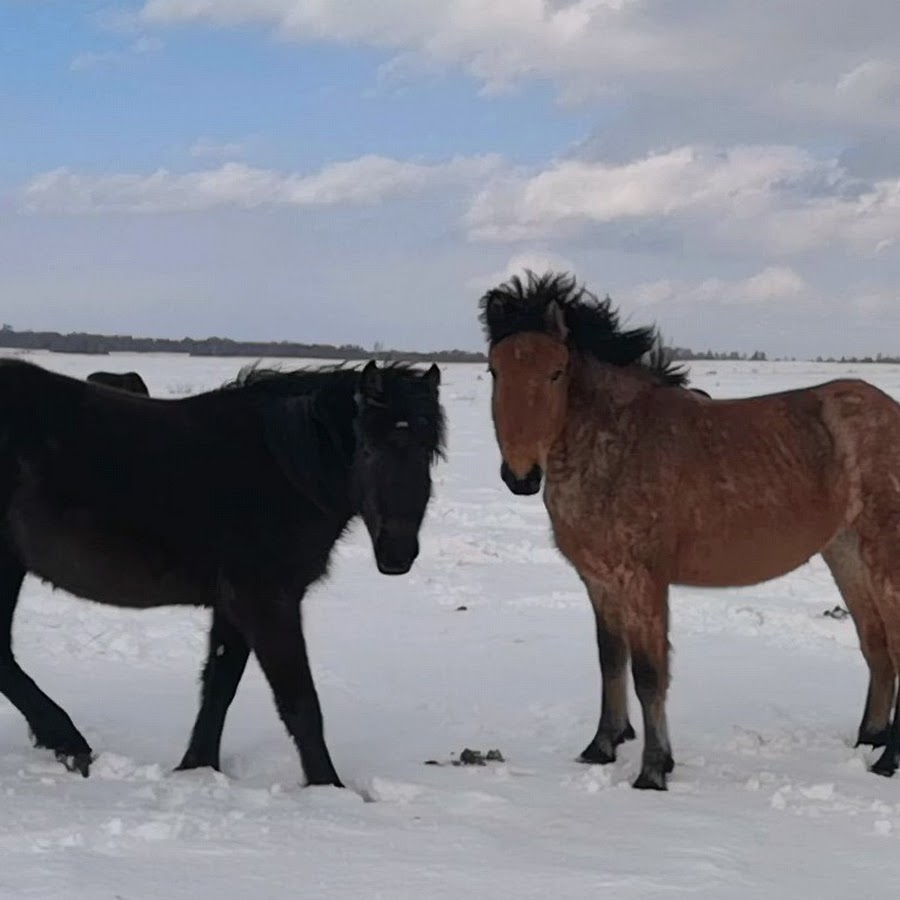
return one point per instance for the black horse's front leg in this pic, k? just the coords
(50, 725)
(225, 663)
(280, 647)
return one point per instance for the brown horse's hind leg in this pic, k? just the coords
(612, 648)
(880, 548)
(853, 580)
(647, 623)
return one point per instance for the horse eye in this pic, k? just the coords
(556, 375)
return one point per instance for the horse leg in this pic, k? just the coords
(225, 663)
(50, 725)
(647, 620)
(852, 578)
(880, 552)
(612, 648)
(889, 761)
(278, 642)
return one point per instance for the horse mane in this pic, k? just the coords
(593, 325)
(403, 385)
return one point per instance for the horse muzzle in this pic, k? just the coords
(522, 487)
(395, 555)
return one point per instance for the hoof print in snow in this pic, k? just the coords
(477, 758)
(471, 758)
(838, 612)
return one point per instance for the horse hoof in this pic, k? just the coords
(325, 782)
(873, 738)
(595, 755)
(886, 766)
(650, 781)
(602, 749)
(190, 763)
(76, 762)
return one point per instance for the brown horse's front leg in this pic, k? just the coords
(612, 648)
(889, 761)
(647, 620)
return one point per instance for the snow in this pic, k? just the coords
(768, 797)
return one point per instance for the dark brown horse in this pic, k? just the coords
(125, 381)
(648, 485)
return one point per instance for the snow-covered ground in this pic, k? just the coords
(768, 798)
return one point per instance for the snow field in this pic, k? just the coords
(768, 797)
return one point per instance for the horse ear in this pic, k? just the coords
(556, 321)
(433, 376)
(371, 384)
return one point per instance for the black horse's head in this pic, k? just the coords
(124, 381)
(399, 435)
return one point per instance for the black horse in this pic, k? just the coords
(125, 381)
(231, 499)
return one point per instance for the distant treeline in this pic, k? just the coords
(101, 344)
(683, 353)
(880, 358)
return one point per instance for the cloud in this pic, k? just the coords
(758, 198)
(774, 284)
(535, 260)
(140, 46)
(805, 58)
(366, 180)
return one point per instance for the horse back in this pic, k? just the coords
(138, 501)
(794, 466)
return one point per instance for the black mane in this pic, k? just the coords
(593, 325)
(403, 388)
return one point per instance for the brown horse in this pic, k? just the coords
(649, 485)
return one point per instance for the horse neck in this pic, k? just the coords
(600, 395)
(336, 443)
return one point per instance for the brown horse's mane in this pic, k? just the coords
(593, 325)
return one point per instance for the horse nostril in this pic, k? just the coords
(529, 484)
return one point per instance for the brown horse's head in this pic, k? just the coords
(530, 383)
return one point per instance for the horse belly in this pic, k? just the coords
(752, 555)
(111, 567)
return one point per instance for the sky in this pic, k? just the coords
(354, 171)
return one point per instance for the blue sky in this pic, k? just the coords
(360, 172)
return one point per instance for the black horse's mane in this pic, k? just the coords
(402, 386)
(593, 325)
(288, 382)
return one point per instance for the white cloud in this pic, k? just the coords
(367, 180)
(790, 58)
(775, 199)
(141, 46)
(774, 284)
(877, 304)
(536, 260)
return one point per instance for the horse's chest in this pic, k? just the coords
(594, 525)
